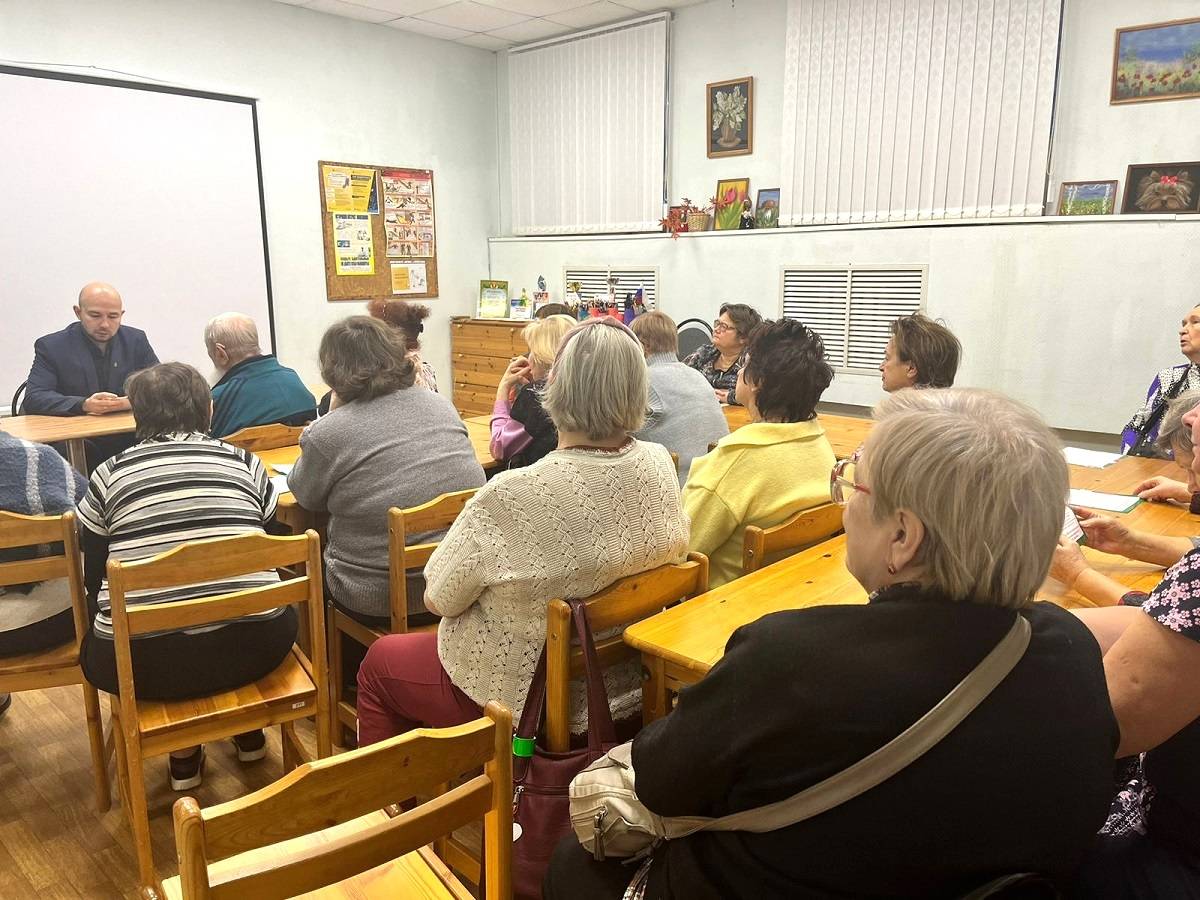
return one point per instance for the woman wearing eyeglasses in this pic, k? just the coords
(720, 360)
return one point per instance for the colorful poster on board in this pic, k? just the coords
(409, 277)
(408, 215)
(353, 247)
(348, 189)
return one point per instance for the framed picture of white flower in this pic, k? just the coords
(731, 117)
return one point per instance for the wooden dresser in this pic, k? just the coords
(480, 351)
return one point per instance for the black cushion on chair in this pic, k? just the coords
(693, 334)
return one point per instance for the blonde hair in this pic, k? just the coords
(598, 382)
(1173, 433)
(657, 332)
(986, 477)
(543, 337)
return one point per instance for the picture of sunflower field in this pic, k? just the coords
(1157, 62)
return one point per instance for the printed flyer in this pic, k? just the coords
(349, 190)
(353, 247)
(408, 212)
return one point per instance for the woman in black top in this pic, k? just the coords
(721, 359)
(1021, 785)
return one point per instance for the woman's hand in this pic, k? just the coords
(722, 396)
(1068, 562)
(1104, 533)
(519, 372)
(1162, 488)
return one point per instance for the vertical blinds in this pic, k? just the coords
(917, 109)
(587, 125)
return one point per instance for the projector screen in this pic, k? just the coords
(154, 190)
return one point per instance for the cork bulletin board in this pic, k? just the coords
(378, 231)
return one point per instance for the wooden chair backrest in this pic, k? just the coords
(212, 560)
(623, 602)
(805, 528)
(436, 515)
(265, 437)
(18, 531)
(327, 792)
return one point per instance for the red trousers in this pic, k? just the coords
(402, 686)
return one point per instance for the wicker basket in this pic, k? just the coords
(697, 221)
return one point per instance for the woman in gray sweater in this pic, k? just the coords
(684, 415)
(382, 444)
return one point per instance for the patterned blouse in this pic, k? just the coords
(705, 361)
(1174, 604)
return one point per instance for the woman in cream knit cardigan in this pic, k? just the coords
(600, 507)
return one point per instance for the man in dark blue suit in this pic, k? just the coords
(81, 370)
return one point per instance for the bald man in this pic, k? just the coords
(254, 389)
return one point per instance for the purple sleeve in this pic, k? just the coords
(509, 436)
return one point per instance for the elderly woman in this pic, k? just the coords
(522, 432)
(774, 467)
(683, 415)
(384, 443)
(921, 353)
(178, 484)
(720, 360)
(1138, 438)
(1150, 845)
(600, 507)
(1111, 535)
(1019, 785)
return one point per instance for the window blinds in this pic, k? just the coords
(917, 109)
(587, 130)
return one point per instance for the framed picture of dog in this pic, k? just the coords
(1162, 188)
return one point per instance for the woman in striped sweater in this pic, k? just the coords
(178, 484)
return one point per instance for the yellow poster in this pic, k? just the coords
(409, 277)
(349, 190)
(353, 246)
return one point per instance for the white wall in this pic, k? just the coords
(328, 88)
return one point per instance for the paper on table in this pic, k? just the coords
(1092, 459)
(1121, 503)
(283, 468)
(280, 483)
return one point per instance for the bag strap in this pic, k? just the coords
(877, 767)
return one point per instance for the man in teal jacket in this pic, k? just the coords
(254, 389)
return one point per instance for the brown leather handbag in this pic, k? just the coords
(541, 809)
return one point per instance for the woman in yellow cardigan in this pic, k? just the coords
(773, 467)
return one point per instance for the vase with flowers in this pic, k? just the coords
(686, 217)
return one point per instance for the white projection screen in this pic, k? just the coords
(155, 190)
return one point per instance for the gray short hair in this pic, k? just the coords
(1173, 433)
(236, 332)
(986, 477)
(598, 383)
(362, 358)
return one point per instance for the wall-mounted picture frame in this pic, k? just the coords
(1156, 62)
(1087, 198)
(732, 194)
(730, 117)
(1162, 188)
(493, 300)
(766, 209)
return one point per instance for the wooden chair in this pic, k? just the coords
(265, 437)
(436, 515)
(296, 689)
(263, 845)
(805, 528)
(624, 602)
(59, 666)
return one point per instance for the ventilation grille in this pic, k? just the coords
(852, 307)
(594, 281)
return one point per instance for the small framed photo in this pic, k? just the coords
(1156, 62)
(766, 210)
(493, 300)
(1162, 188)
(733, 195)
(730, 117)
(1087, 198)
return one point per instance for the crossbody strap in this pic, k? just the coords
(885, 762)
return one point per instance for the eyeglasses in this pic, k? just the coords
(720, 327)
(842, 484)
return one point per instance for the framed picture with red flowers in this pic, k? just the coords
(1162, 188)
(732, 194)
(1156, 62)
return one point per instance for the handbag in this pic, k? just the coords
(541, 778)
(610, 821)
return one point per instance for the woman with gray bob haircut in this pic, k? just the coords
(950, 517)
(1109, 534)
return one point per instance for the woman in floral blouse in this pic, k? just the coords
(721, 359)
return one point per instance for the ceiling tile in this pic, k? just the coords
(405, 7)
(350, 10)
(292, 2)
(656, 5)
(430, 29)
(472, 16)
(532, 30)
(536, 7)
(600, 13)
(485, 41)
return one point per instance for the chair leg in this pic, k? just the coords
(335, 676)
(129, 762)
(291, 747)
(95, 727)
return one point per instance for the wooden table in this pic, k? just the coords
(681, 644)
(73, 430)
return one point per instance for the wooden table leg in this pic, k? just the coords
(76, 450)
(654, 689)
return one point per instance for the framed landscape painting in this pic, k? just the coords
(1162, 188)
(766, 211)
(730, 117)
(1156, 62)
(1087, 198)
